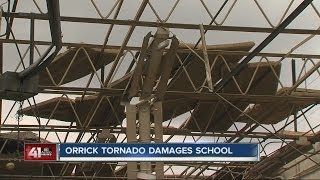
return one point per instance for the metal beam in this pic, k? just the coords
(166, 131)
(206, 58)
(262, 45)
(310, 96)
(135, 48)
(56, 38)
(10, 23)
(304, 77)
(125, 42)
(161, 24)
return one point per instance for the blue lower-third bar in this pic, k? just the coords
(158, 152)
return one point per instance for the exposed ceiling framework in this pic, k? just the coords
(226, 74)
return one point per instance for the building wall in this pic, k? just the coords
(306, 169)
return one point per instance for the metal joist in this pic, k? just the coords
(161, 24)
(262, 45)
(135, 48)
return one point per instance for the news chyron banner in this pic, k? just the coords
(142, 152)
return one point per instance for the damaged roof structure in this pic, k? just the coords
(212, 88)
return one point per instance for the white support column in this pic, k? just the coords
(144, 133)
(131, 112)
(158, 131)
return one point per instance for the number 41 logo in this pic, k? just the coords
(35, 152)
(40, 152)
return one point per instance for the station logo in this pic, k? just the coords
(40, 152)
